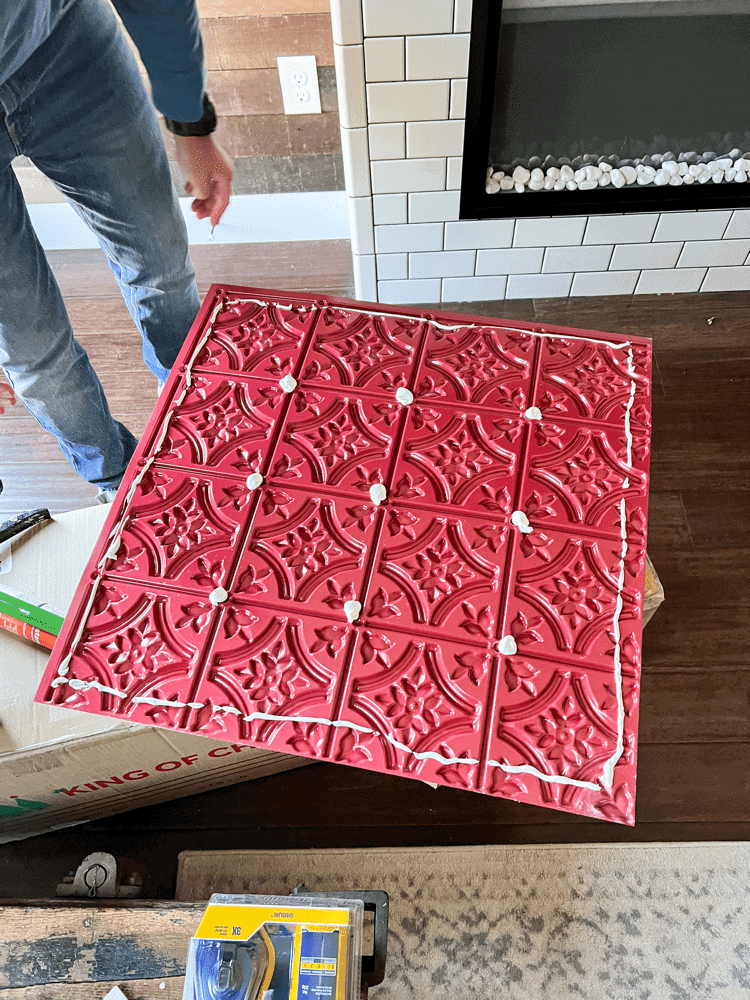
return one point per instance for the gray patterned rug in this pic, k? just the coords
(594, 922)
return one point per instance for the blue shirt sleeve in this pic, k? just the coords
(167, 34)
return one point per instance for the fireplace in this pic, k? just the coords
(402, 71)
(600, 108)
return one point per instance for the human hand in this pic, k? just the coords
(207, 170)
(7, 397)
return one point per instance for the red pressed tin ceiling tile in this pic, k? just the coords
(409, 543)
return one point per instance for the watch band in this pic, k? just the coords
(205, 126)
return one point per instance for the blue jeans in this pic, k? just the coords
(78, 109)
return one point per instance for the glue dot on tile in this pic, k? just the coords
(533, 413)
(254, 481)
(378, 494)
(352, 610)
(218, 596)
(404, 396)
(507, 646)
(288, 383)
(521, 522)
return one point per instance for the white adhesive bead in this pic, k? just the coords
(404, 396)
(521, 522)
(507, 646)
(288, 383)
(254, 481)
(533, 413)
(218, 596)
(352, 610)
(378, 494)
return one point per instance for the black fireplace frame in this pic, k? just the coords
(475, 203)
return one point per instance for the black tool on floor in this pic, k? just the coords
(19, 523)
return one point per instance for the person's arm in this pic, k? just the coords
(169, 41)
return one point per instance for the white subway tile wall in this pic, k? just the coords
(727, 279)
(604, 283)
(620, 229)
(522, 261)
(384, 59)
(458, 99)
(401, 68)
(404, 239)
(406, 17)
(720, 253)
(349, 61)
(413, 101)
(567, 231)
(656, 282)
(365, 278)
(356, 156)
(390, 209)
(692, 226)
(538, 286)
(445, 264)
(426, 139)
(455, 163)
(433, 206)
(396, 176)
(388, 142)
(739, 227)
(644, 255)
(346, 20)
(484, 235)
(462, 16)
(435, 57)
(361, 226)
(473, 289)
(405, 292)
(393, 266)
(594, 258)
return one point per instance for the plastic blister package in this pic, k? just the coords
(276, 948)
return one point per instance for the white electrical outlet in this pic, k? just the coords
(299, 85)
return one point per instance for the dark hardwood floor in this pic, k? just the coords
(694, 737)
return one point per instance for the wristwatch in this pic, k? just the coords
(205, 126)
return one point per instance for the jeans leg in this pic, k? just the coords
(49, 371)
(96, 136)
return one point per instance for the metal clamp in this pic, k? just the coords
(99, 877)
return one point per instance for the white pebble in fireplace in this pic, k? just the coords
(401, 68)
(585, 173)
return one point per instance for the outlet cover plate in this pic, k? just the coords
(299, 85)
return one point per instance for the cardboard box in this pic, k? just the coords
(59, 767)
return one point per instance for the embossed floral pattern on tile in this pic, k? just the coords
(398, 541)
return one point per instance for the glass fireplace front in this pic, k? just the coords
(581, 107)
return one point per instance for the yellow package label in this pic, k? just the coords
(225, 922)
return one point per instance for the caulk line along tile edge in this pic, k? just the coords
(276, 300)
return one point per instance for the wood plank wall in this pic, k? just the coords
(273, 152)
